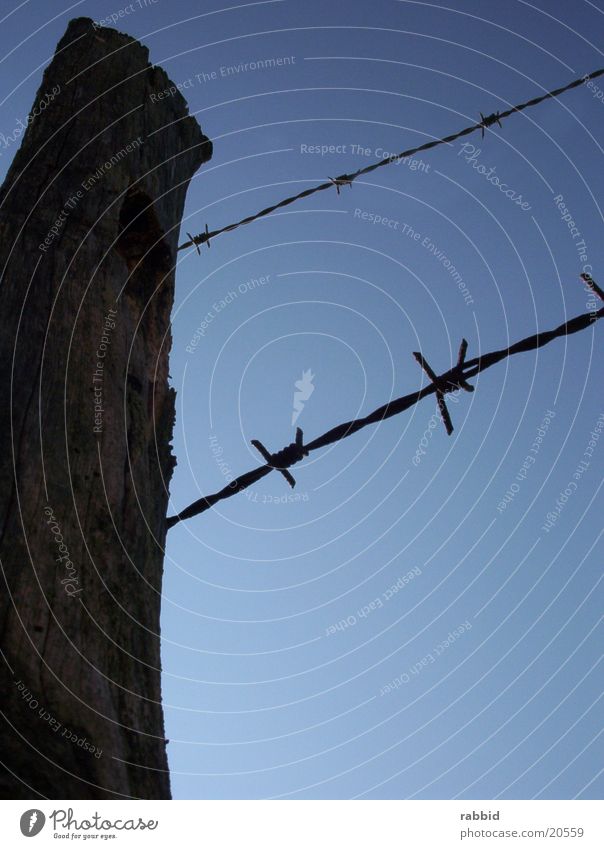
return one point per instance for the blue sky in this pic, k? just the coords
(386, 629)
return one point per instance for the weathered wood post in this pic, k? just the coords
(89, 221)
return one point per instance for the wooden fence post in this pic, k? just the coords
(89, 221)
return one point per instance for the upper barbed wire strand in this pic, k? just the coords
(347, 179)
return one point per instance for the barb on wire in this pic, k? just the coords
(198, 240)
(488, 121)
(347, 179)
(285, 458)
(448, 382)
(455, 378)
(338, 182)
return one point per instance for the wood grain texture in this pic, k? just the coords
(89, 219)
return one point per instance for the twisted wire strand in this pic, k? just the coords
(347, 179)
(452, 379)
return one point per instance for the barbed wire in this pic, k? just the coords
(450, 381)
(347, 179)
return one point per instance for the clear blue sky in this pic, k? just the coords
(479, 677)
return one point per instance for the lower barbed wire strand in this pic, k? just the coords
(392, 408)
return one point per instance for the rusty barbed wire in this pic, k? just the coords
(347, 179)
(452, 380)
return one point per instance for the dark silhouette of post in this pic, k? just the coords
(89, 222)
